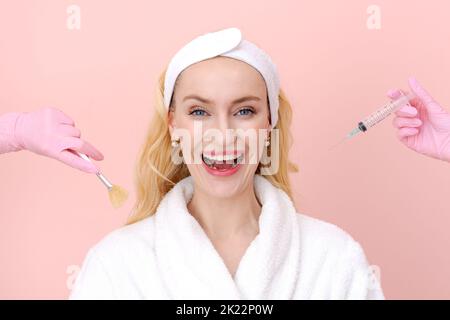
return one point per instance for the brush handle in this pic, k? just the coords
(99, 175)
(85, 157)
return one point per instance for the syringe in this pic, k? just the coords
(379, 115)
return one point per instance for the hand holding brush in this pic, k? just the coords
(52, 133)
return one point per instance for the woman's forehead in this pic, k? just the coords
(221, 73)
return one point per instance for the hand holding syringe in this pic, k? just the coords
(423, 125)
(379, 115)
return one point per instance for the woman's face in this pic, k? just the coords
(218, 121)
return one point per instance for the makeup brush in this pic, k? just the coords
(117, 195)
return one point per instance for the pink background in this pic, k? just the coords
(334, 70)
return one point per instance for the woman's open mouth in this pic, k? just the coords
(222, 165)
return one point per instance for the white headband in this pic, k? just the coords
(229, 43)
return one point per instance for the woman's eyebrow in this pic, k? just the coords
(204, 100)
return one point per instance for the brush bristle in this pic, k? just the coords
(117, 196)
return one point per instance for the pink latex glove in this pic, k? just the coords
(423, 125)
(50, 132)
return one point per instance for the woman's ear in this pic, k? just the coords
(171, 121)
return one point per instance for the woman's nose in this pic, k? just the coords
(224, 131)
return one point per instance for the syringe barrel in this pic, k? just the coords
(385, 111)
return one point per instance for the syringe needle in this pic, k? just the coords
(337, 143)
(348, 136)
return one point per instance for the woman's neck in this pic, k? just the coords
(224, 218)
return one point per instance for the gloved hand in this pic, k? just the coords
(50, 132)
(423, 125)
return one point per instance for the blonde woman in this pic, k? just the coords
(218, 224)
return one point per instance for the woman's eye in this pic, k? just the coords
(242, 112)
(247, 111)
(197, 112)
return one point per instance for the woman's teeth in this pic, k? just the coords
(212, 161)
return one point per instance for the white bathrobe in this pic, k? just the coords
(169, 256)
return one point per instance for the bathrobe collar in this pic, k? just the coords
(191, 267)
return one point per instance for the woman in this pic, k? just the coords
(246, 241)
(219, 228)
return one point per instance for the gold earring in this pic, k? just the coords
(176, 142)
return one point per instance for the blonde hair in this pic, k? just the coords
(156, 174)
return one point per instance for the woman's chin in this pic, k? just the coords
(222, 184)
